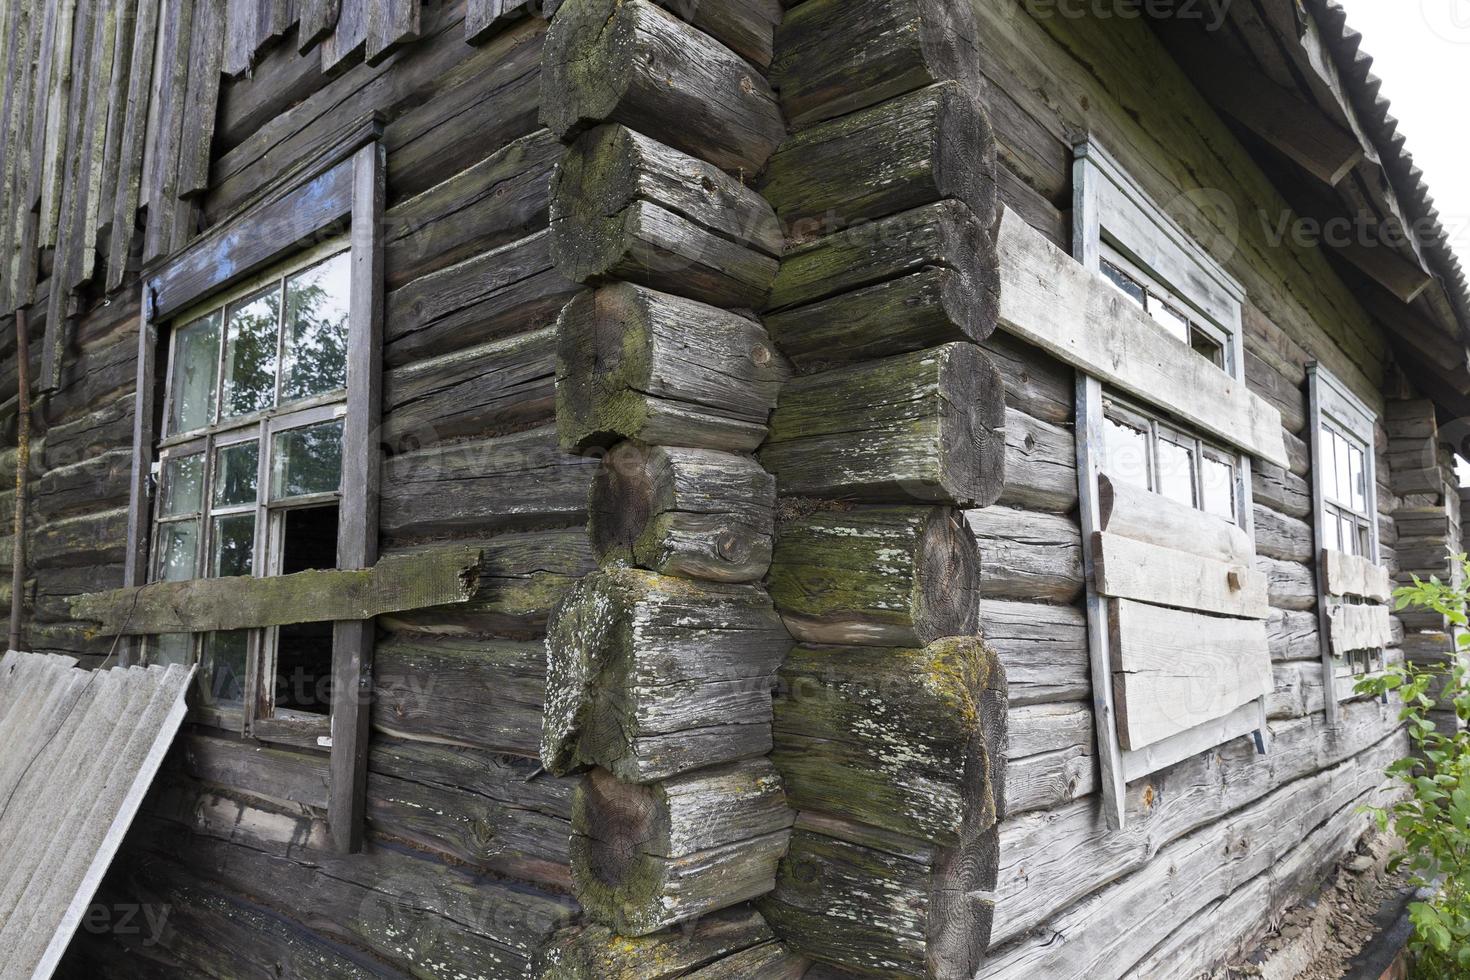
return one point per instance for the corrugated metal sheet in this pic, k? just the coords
(78, 750)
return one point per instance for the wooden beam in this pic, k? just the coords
(1360, 628)
(1129, 569)
(1048, 299)
(395, 584)
(1355, 575)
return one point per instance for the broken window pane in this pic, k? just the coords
(236, 473)
(315, 342)
(183, 485)
(250, 354)
(307, 461)
(196, 365)
(1124, 283)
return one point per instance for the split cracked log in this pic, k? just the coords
(649, 676)
(624, 206)
(933, 144)
(905, 44)
(699, 513)
(881, 576)
(647, 857)
(748, 27)
(912, 741)
(887, 255)
(637, 364)
(882, 904)
(925, 426)
(630, 62)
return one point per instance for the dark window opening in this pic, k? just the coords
(304, 650)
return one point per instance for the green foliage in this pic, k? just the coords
(1432, 816)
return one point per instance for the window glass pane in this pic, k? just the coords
(183, 485)
(1170, 319)
(316, 329)
(196, 364)
(1359, 484)
(234, 545)
(1328, 476)
(171, 648)
(222, 667)
(1176, 472)
(1330, 538)
(1218, 492)
(1364, 542)
(250, 354)
(1344, 471)
(178, 544)
(1125, 451)
(1125, 283)
(1348, 534)
(306, 461)
(236, 473)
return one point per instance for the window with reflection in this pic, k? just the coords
(1347, 518)
(249, 475)
(1143, 449)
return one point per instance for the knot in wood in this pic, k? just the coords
(761, 355)
(732, 546)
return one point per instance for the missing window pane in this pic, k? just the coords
(196, 365)
(250, 354)
(307, 461)
(315, 341)
(1169, 318)
(1207, 347)
(304, 650)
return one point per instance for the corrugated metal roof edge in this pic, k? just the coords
(1372, 108)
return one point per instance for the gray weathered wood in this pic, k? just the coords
(1356, 576)
(1126, 568)
(698, 513)
(880, 576)
(633, 363)
(1132, 512)
(923, 426)
(647, 857)
(650, 676)
(596, 952)
(631, 62)
(1359, 628)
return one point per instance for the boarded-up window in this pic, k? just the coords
(1176, 606)
(1353, 589)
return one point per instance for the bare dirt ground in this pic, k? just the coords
(1317, 939)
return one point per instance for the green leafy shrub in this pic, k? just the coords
(1432, 816)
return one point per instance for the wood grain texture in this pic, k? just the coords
(1130, 569)
(1354, 575)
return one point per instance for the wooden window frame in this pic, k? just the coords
(1156, 429)
(1112, 215)
(1331, 403)
(342, 189)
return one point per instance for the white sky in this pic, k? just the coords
(1421, 50)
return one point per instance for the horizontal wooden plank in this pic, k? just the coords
(1360, 628)
(395, 584)
(1048, 299)
(252, 241)
(1175, 670)
(1129, 569)
(1188, 744)
(1356, 575)
(1129, 511)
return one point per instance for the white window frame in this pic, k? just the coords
(1113, 217)
(1332, 404)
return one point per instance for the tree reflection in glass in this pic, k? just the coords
(237, 470)
(178, 544)
(196, 363)
(315, 342)
(307, 460)
(234, 545)
(250, 354)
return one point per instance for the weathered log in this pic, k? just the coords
(1026, 555)
(932, 306)
(883, 904)
(650, 676)
(595, 952)
(880, 576)
(946, 234)
(637, 364)
(1042, 647)
(909, 740)
(905, 44)
(647, 857)
(747, 27)
(699, 513)
(624, 206)
(631, 62)
(932, 144)
(922, 426)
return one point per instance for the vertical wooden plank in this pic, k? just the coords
(357, 541)
(241, 17)
(54, 133)
(1324, 614)
(349, 39)
(135, 560)
(318, 20)
(164, 178)
(117, 113)
(273, 21)
(112, 63)
(206, 53)
(130, 150)
(392, 24)
(27, 221)
(20, 32)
